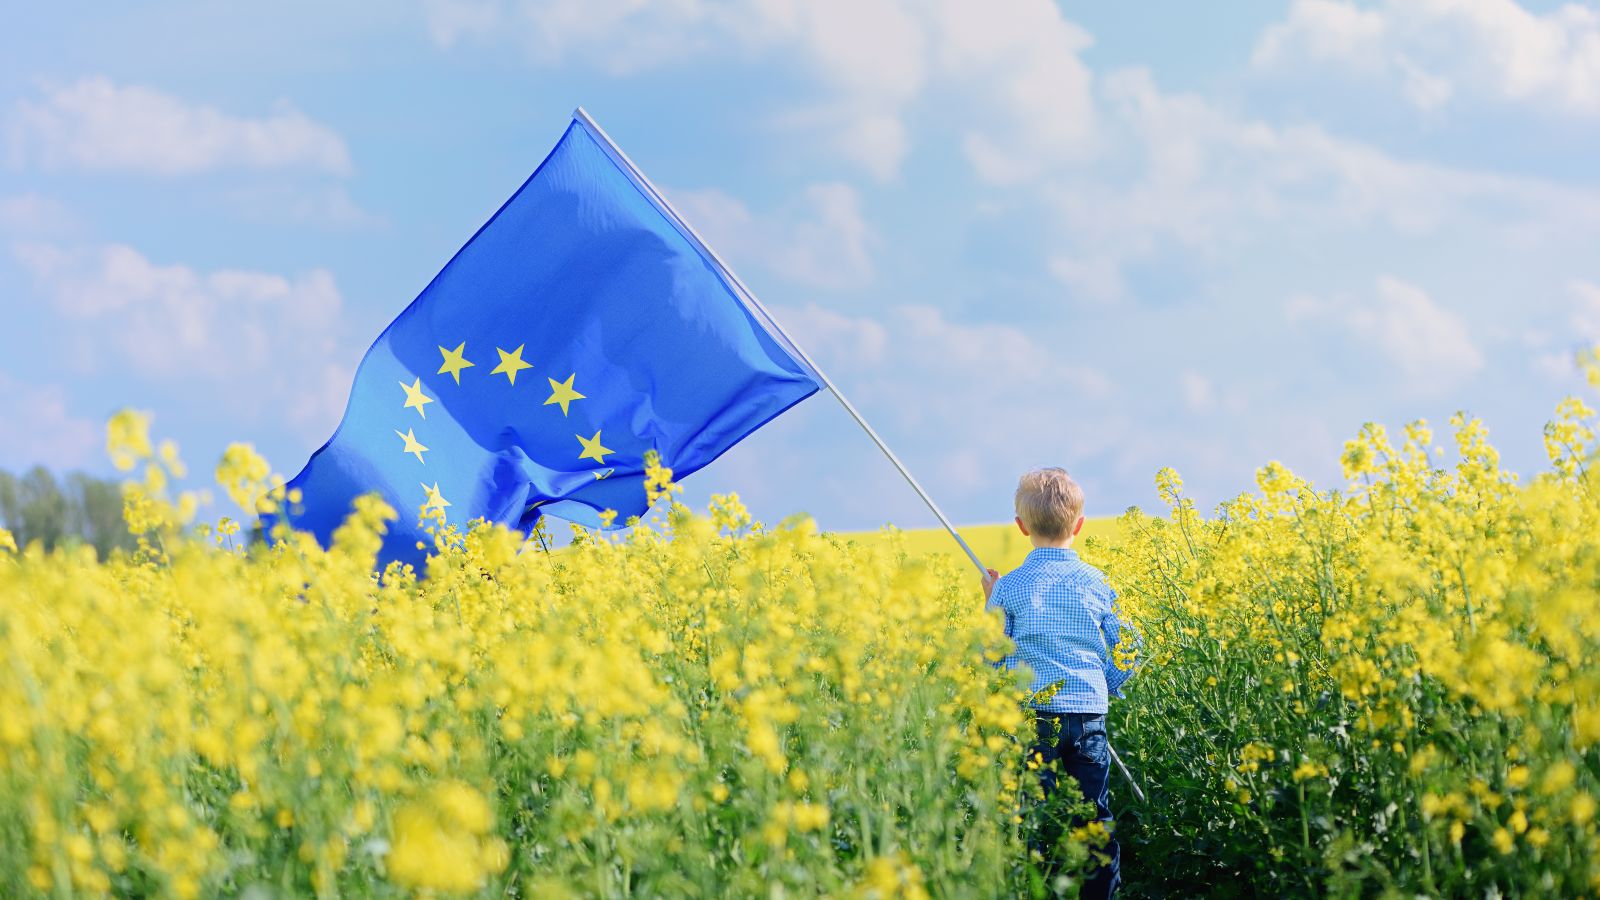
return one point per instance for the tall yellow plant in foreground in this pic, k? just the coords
(1394, 688)
(704, 708)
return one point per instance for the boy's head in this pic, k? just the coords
(1049, 505)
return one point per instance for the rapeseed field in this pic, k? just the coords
(1385, 689)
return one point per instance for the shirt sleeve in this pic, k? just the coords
(1116, 632)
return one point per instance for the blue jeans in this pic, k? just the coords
(1075, 744)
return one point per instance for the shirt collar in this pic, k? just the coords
(1053, 553)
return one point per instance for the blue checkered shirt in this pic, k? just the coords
(1062, 616)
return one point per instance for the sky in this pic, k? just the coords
(1111, 237)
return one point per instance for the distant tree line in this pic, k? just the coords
(73, 510)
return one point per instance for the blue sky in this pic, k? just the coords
(1112, 237)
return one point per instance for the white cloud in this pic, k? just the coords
(875, 140)
(868, 57)
(1199, 394)
(321, 205)
(821, 240)
(1013, 64)
(97, 124)
(957, 383)
(1211, 165)
(1323, 30)
(1211, 182)
(994, 357)
(856, 342)
(957, 368)
(41, 429)
(1425, 91)
(1585, 311)
(1302, 308)
(1098, 278)
(621, 36)
(35, 215)
(1553, 365)
(1023, 58)
(1554, 351)
(256, 341)
(1439, 48)
(1426, 343)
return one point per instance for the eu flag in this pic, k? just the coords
(584, 325)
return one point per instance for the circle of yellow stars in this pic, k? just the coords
(562, 393)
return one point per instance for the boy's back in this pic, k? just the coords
(1061, 614)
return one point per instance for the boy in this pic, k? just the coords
(1062, 617)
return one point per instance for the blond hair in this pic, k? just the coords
(1049, 502)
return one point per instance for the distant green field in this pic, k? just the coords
(999, 546)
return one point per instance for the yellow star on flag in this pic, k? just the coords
(563, 393)
(454, 362)
(412, 446)
(511, 363)
(436, 500)
(415, 398)
(592, 448)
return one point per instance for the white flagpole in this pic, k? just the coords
(771, 323)
(755, 305)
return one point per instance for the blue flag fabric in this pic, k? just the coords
(581, 327)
